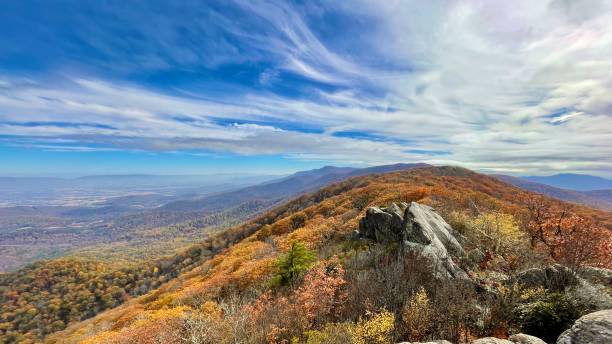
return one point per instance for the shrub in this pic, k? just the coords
(498, 235)
(570, 239)
(361, 201)
(298, 220)
(417, 315)
(282, 316)
(549, 316)
(322, 295)
(415, 195)
(376, 330)
(206, 325)
(455, 311)
(592, 297)
(497, 316)
(331, 334)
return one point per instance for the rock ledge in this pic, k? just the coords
(420, 231)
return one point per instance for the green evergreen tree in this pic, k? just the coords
(293, 264)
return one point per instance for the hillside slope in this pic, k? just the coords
(161, 224)
(136, 246)
(290, 186)
(230, 284)
(603, 195)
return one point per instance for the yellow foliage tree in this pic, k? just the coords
(417, 315)
(332, 334)
(376, 330)
(499, 235)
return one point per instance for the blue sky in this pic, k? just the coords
(277, 86)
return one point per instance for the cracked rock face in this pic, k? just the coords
(420, 231)
(384, 225)
(426, 221)
(593, 328)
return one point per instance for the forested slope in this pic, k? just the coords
(234, 285)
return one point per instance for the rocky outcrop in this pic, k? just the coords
(384, 225)
(593, 328)
(426, 221)
(525, 339)
(590, 287)
(420, 231)
(555, 277)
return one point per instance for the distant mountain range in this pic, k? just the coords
(571, 181)
(596, 198)
(50, 217)
(283, 188)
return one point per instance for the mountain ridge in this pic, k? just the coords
(115, 220)
(601, 199)
(573, 181)
(245, 258)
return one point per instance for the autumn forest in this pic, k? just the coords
(298, 273)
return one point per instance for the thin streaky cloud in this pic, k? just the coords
(521, 87)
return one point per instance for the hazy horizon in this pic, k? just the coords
(271, 173)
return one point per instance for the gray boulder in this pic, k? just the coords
(431, 342)
(597, 275)
(522, 338)
(514, 339)
(491, 340)
(592, 296)
(593, 328)
(555, 277)
(420, 231)
(384, 225)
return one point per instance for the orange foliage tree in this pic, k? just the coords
(316, 302)
(568, 238)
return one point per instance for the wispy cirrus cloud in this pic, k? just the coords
(521, 87)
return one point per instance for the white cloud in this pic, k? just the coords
(482, 80)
